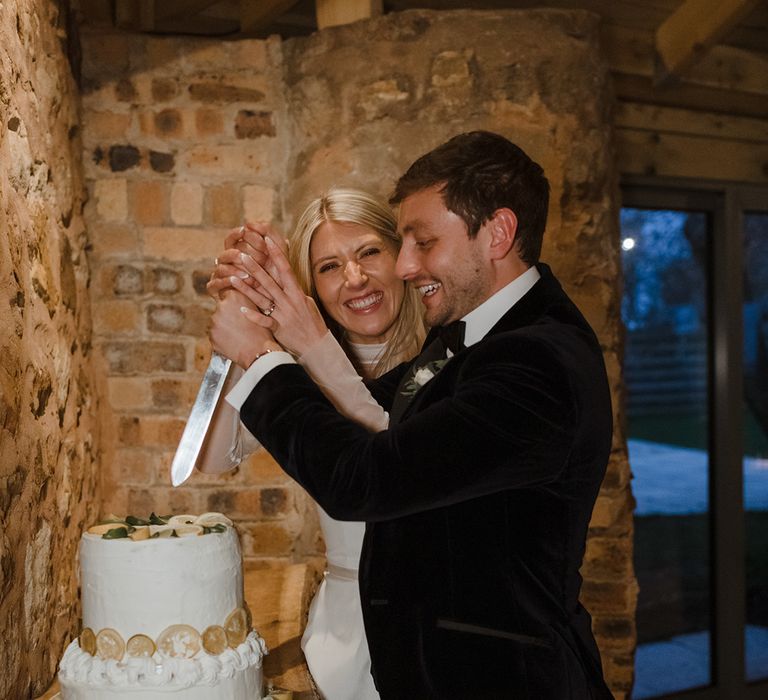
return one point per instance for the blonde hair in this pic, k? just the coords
(346, 205)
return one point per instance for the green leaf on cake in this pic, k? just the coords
(218, 528)
(133, 520)
(208, 529)
(157, 520)
(115, 533)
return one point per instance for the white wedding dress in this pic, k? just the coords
(334, 642)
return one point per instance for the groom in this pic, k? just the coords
(479, 495)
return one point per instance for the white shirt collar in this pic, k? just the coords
(481, 319)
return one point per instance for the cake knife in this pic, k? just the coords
(196, 430)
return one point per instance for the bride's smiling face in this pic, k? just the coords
(353, 270)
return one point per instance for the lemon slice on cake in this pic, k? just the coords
(210, 519)
(236, 627)
(179, 642)
(188, 530)
(140, 646)
(140, 532)
(156, 531)
(109, 644)
(88, 641)
(104, 528)
(215, 640)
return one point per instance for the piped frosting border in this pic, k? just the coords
(77, 666)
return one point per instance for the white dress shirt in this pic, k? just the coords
(482, 318)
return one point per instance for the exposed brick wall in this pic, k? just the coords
(49, 440)
(184, 138)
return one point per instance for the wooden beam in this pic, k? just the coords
(631, 51)
(636, 88)
(178, 9)
(672, 155)
(689, 122)
(154, 15)
(332, 13)
(255, 16)
(135, 14)
(690, 31)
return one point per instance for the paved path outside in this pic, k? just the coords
(683, 662)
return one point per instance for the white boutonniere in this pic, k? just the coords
(421, 376)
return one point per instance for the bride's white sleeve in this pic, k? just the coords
(332, 371)
(229, 441)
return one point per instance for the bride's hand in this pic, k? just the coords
(232, 335)
(293, 317)
(249, 239)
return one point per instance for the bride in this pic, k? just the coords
(366, 321)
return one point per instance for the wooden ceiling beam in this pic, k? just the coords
(331, 13)
(158, 15)
(135, 14)
(690, 31)
(257, 16)
(180, 9)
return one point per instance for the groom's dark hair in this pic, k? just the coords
(480, 172)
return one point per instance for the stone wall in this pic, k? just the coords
(183, 138)
(49, 440)
(538, 78)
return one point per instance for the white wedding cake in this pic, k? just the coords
(163, 614)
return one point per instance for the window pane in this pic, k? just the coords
(664, 309)
(756, 441)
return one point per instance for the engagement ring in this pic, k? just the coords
(269, 311)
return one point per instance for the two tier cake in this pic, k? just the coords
(163, 613)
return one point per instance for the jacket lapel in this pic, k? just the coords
(525, 312)
(433, 350)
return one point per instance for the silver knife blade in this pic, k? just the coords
(193, 437)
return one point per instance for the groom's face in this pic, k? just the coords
(448, 268)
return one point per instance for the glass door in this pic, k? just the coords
(695, 309)
(755, 440)
(665, 309)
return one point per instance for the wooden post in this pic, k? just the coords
(331, 13)
(255, 15)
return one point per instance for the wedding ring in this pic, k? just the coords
(242, 230)
(215, 261)
(269, 311)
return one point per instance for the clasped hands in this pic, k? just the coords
(259, 303)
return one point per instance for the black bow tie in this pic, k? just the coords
(452, 336)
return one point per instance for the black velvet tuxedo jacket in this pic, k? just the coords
(477, 504)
